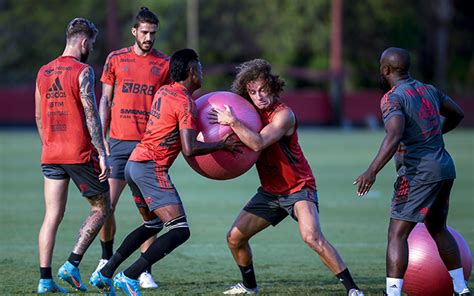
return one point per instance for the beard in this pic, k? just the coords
(384, 85)
(142, 47)
(84, 57)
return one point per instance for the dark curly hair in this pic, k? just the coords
(257, 69)
(180, 63)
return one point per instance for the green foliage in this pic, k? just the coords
(292, 33)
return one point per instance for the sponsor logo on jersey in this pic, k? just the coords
(427, 110)
(61, 68)
(48, 72)
(58, 127)
(56, 90)
(58, 113)
(137, 88)
(127, 60)
(133, 111)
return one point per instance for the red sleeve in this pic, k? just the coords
(167, 79)
(187, 115)
(108, 74)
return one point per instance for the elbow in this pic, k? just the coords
(188, 152)
(257, 147)
(396, 141)
(38, 118)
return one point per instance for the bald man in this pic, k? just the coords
(414, 130)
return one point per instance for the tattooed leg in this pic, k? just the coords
(100, 208)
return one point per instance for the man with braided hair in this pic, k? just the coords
(130, 78)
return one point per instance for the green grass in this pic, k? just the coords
(203, 265)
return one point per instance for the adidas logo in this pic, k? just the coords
(56, 90)
(394, 286)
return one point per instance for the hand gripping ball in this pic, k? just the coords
(223, 165)
(426, 273)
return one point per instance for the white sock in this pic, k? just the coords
(394, 286)
(457, 276)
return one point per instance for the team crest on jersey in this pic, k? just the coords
(155, 71)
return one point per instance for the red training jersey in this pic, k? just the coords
(172, 110)
(135, 79)
(282, 167)
(66, 139)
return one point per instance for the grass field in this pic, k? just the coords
(203, 265)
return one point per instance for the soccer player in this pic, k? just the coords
(414, 131)
(287, 183)
(130, 78)
(72, 148)
(171, 128)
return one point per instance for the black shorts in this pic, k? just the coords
(85, 176)
(275, 208)
(412, 202)
(120, 151)
(151, 185)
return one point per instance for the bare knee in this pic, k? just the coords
(235, 240)
(315, 241)
(53, 218)
(399, 230)
(100, 204)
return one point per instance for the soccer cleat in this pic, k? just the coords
(241, 289)
(104, 284)
(465, 292)
(101, 264)
(147, 281)
(127, 285)
(72, 276)
(355, 292)
(49, 286)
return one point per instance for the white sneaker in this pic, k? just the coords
(355, 292)
(241, 289)
(101, 265)
(465, 292)
(147, 281)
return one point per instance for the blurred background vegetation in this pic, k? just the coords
(294, 35)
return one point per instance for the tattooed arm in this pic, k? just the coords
(104, 112)
(86, 86)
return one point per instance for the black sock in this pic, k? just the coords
(248, 276)
(136, 268)
(177, 234)
(107, 249)
(129, 245)
(45, 273)
(75, 259)
(114, 262)
(148, 269)
(346, 279)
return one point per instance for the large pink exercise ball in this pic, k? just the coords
(223, 165)
(426, 273)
